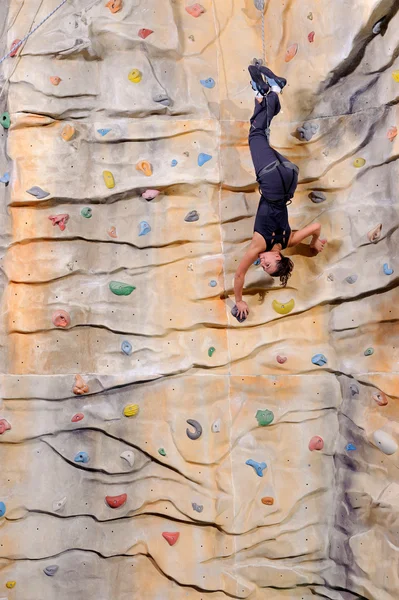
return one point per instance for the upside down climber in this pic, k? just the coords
(277, 178)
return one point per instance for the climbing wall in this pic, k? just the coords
(151, 446)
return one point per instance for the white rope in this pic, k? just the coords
(260, 5)
(32, 31)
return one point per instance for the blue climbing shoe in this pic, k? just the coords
(256, 76)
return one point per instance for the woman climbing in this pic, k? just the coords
(277, 178)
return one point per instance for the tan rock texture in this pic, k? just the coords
(98, 396)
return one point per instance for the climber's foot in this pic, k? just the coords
(281, 82)
(262, 86)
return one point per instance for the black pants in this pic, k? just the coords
(277, 176)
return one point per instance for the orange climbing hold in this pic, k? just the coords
(380, 398)
(114, 5)
(116, 501)
(55, 80)
(14, 52)
(392, 133)
(291, 52)
(80, 386)
(268, 500)
(112, 232)
(144, 33)
(67, 133)
(170, 537)
(196, 10)
(375, 233)
(145, 167)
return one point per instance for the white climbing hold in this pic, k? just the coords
(385, 442)
(128, 455)
(59, 504)
(216, 426)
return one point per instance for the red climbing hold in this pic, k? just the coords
(392, 133)
(60, 220)
(144, 33)
(316, 443)
(14, 52)
(171, 538)
(195, 10)
(281, 359)
(116, 501)
(4, 425)
(61, 318)
(311, 37)
(77, 417)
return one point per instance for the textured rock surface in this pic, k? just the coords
(327, 526)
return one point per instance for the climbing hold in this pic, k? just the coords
(375, 233)
(121, 289)
(116, 501)
(190, 267)
(208, 83)
(170, 537)
(194, 435)
(114, 5)
(354, 389)
(5, 179)
(144, 228)
(211, 351)
(316, 443)
(283, 309)
(281, 359)
(191, 216)
(81, 457)
(126, 347)
(129, 457)
(59, 504)
(197, 507)
(307, 131)
(359, 162)
(80, 386)
(5, 120)
(145, 167)
(4, 426)
(216, 426)
(144, 33)
(173, 163)
(378, 26)
(385, 442)
(67, 133)
(14, 52)
(161, 451)
(392, 133)
(78, 417)
(290, 53)
(330, 277)
(311, 36)
(319, 360)
(60, 220)
(55, 80)
(351, 278)
(257, 262)
(213, 283)
(131, 410)
(369, 352)
(103, 131)
(51, 570)
(235, 313)
(150, 194)
(38, 192)
(264, 417)
(317, 197)
(260, 5)
(268, 500)
(61, 318)
(112, 232)
(203, 158)
(387, 270)
(195, 10)
(192, 38)
(2, 509)
(350, 447)
(109, 179)
(135, 76)
(380, 398)
(395, 75)
(258, 467)
(310, 16)
(86, 212)
(162, 98)
(11, 584)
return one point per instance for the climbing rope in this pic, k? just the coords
(16, 46)
(260, 5)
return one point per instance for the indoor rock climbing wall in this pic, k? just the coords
(151, 446)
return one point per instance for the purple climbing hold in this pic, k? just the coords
(235, 313)
(197, 507)
(51, 570)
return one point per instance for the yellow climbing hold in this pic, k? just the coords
(395, 75)
(109, 179)
(67, 133)
(135, 76)
(144, 166)
(11, 584)
(131, 410)
(283, 309)
(359, 162)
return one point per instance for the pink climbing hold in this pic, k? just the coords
(144, 33)
(291, 52)
(14, 52)
(150, 194)
(78, 417)
(55, 80)
(392, 133)
(316, 443)
(116, 501)
(4, 426)
(170, 537)
(61, 319)
(311, 36)
(196, 10)
(281, 359)
(60, 220)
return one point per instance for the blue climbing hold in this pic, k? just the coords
(351, 278)
(2, 509)
(126, 347)
(203, 158)
(144, 228)
(387, 270)
(208, 83)
(82, 457)
(5, 179)
(257, 262)
(350, 447)
(213, 283)
(319, 360)
(258, 467)
(103, 131)
(173, 163)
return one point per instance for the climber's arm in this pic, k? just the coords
(249, 258)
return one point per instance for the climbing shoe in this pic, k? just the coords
(262, 86)
(281, 82)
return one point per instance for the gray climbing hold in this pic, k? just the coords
(194, 435)
(50, 570)
(319, 360)
(317, 197)
(144, 228)
(377, 28)
(330, 277)
(307, 131)
(235, 313)
(38, 192)
(126, 347)
(163, 99)
(259, 4)
(351, 278)
(258, 467)
(216, 425)
(191, 216)
(197, 507)
(213, 283)
(354, 389)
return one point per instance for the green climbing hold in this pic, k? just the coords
(211, 351)
(5, 120)
(264, 417)
(121, 289)
(162, 452)
(369, 352)
(86, 212)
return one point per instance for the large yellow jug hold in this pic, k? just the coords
(109, 179)
(359, 162)
(395, 75)
(131, 410)
(135, 76)
(145, 167)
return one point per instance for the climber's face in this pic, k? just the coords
(269, 261)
